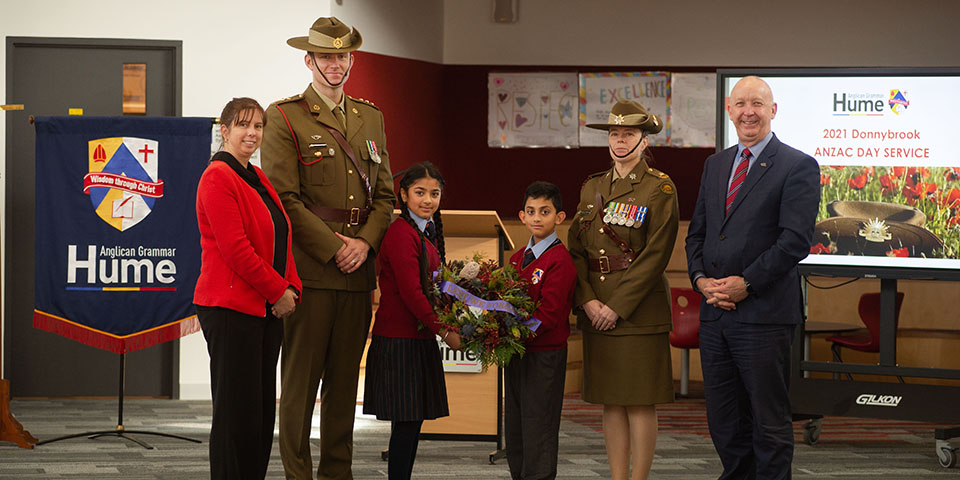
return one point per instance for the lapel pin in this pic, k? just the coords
(316, 137)
(355, 111)
(763, 164)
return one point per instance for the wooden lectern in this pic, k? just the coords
(475, 399)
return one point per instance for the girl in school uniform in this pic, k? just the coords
(404, 380)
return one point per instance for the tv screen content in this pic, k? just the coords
(888, 146)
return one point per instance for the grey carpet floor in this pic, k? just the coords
(894, 451)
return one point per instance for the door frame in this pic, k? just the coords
(175, 47)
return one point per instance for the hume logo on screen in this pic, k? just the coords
(122, 182)
(898, 101)
(858, 104)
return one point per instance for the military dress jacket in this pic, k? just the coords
(640, 294)
(309, 167)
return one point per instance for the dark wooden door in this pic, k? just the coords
(49, 76)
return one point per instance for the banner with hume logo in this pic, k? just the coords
(117, 245)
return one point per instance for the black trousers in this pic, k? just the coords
(746, 378)
(243, 375)
(534, 399)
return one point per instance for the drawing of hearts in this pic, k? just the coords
(502, 97)
(521, 101)
(545, 99)
(498, 81)
(502, 123)
(520, 120)
(564, 86)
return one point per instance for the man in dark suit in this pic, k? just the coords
(753, 223)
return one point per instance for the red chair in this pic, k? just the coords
(686, 329)
(868, 341)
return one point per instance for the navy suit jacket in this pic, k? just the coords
(766, 233)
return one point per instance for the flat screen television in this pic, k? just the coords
(888, 144)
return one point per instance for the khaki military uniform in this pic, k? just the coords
(629, 365)
(324, 338)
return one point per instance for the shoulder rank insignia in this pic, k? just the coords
(290, 99)
(365, 102)
(590, 177)
(666, 188)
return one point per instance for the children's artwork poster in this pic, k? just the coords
(693, 109)
(532, 110)
(599, 91)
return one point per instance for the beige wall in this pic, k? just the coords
(736, 33)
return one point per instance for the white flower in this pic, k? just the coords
(470, 271)
(477, 311)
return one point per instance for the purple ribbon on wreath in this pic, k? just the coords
(468, 298)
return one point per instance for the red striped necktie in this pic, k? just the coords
(738, 176)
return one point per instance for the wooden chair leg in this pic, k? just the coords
(10, 428)
(685, 371)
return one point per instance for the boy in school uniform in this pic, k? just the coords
(534, 382)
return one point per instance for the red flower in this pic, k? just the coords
(915, 175)
(898, 252)
(953, 222)
(857, 182)
(837, 167)
(952, 174)
(888, 184)
(868, 171)
(824, 179)
(819, 248)
(950, 199)
(915, 192)
(898, 171)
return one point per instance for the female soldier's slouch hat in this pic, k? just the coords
(627, 113)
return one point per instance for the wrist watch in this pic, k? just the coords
(747, 285)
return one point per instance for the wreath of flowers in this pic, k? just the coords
(488, 306)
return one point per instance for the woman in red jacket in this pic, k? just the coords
(247, 283)
(404, 381)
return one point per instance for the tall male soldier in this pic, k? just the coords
(753, 223)
(326, 154)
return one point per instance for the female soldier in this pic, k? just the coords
(621, 240)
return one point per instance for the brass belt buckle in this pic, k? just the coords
(604, 264)
(354, 216)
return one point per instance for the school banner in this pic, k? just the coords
(532, 110)
(117, 245)
(600, 91)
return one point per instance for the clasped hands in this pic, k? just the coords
(724, 292)
(601, 316)
(286, 304)
(352, 253)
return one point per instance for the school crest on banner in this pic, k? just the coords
(122, 183)
(117, 247)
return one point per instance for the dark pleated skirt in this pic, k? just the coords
(404, 380)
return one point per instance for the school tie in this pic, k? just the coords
(528, 258)
(430, 232)
(738, 176)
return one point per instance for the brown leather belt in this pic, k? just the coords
(611, 263)
(352, 216)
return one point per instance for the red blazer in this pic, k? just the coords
(402, 302)
(556, 279)
(236, 238)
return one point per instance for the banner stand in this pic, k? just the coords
(120, 431)
(10, 428)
